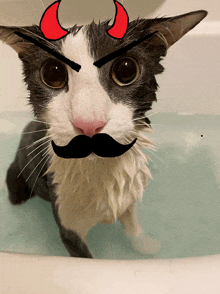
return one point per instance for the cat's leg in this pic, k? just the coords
(74, 235)
(74, 243)
(19, 192)
(74, 239)
(25, 164)
(143, 243)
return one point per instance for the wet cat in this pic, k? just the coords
(99, 176)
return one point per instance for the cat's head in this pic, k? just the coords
(111, 97)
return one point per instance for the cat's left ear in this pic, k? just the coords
(170, 30)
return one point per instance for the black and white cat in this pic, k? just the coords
(112, 99)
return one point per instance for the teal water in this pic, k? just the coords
(180, 207)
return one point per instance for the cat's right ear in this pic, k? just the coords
(8, 36)
(20, 45)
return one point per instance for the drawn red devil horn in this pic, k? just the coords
(50, 25)
(120, 24)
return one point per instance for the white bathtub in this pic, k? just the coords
(187, 127)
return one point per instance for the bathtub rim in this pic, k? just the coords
(52, 273)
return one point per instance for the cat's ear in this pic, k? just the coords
(171, 29)
(8, 36)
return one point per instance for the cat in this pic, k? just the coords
(99, 182)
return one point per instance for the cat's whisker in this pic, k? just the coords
(140, 154)
(151, 140)
(35, 131)
(139, 118)
(163, 125)
(145, 130)
(151, 114)
(49, 151)
(38, 163)
(143, 118)
(30, 161)
(35, 142)
(157, 157)
(39, 173)
(45, 152)
(40, 121)
(143, 124)
(141, 127)
(30, 119)
(38, 147)
(49, 136)
(153, 125)
(146, 116)
(154, 140)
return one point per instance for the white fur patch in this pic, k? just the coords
(93, 189)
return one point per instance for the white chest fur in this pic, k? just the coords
(99, 190)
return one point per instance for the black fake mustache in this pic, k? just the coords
(82, 146)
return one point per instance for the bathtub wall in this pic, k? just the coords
(190, 82)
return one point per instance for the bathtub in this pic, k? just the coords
(180, 206)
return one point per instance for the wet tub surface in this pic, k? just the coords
(180, 207)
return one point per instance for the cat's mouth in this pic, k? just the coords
(82, 146)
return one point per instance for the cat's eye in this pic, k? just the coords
(53, 73)
(125, 71)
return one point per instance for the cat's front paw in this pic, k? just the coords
(145, 244)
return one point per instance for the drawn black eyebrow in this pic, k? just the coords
(120, 51)
(69, 62)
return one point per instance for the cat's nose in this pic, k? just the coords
(89, 128)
